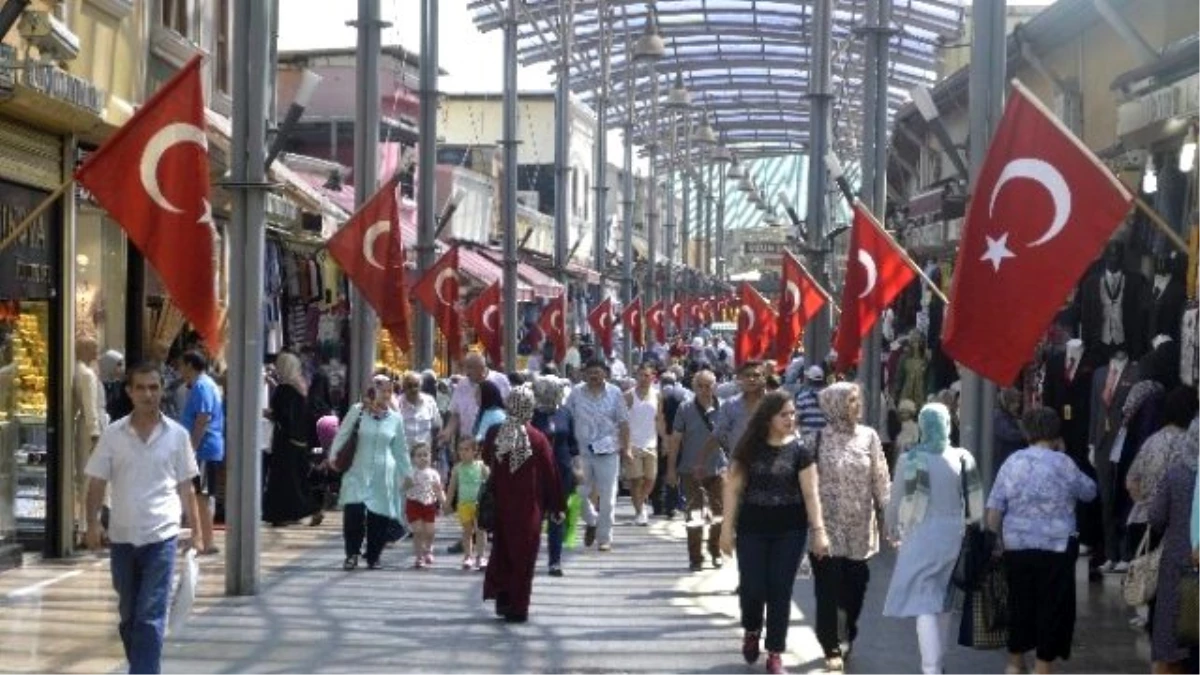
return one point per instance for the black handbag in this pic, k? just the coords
(345, 457)
(485, 509)
(975, 552)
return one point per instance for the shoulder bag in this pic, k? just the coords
(345, 457)
(1141, 581)
(976, 550)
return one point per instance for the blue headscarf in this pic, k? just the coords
(934, 422)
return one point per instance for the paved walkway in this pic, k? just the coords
(633, 610)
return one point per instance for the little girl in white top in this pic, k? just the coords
(423, 492)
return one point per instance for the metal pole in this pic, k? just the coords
(627, 205)
(247, 234)
(562, 145)
(600, 154)
(427, 162)
(366, 168)
(816, 338)
(986, 91)
(508, 216)
(710, 265)
(687, 189)
(672, 236)
(874, 177)
(650, 290)
(720, 248)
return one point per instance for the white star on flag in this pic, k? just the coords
(206, 217)
(997, 251)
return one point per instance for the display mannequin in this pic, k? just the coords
(1068, 390)
(1114, 307)
(89, 411)
(912, 375)
(1167, 295)
(1110, 387)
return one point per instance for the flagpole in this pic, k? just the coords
(37, 211)
(1156, 219)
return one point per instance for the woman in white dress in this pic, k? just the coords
(926, 515)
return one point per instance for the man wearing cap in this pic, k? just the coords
(809, 416)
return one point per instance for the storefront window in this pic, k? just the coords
(100, 264)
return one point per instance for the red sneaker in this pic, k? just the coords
(775, 664)
(750, 649)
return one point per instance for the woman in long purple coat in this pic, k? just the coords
(1171, 510)
(526, 484)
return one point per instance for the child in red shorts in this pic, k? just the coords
(423, 492)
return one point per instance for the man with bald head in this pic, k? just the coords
(703, 475)
(464, 402)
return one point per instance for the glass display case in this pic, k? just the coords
(24, 447)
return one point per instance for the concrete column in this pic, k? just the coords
(247, 235)
(427, 165)
(986, 91)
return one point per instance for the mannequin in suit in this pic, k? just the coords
(1168, 295)
(1067, 388)
(1110, 387)
(1114, 307)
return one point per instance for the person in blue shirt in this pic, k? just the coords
(204, 418)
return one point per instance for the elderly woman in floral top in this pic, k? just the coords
(1032, 505)
(855, 490)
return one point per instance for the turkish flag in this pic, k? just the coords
(876, 272)
(484, 315)
(553, 324)
(437, 290)
(601, 321)
(1043, 208)
(655, 322)
(631, 318)
(677, 315)
(800, 298)
(756, 325)
(152, 178)
(369, 250)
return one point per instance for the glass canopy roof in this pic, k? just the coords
(746, 64)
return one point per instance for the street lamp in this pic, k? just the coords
(678, 98)
(735, 168)
(650, 47)
(704, 133)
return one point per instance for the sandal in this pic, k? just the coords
(351, 563)
(834, 664)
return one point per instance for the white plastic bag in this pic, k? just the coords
(185, 592)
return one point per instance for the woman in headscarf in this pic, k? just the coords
(526, 485)
(288, 496)
(1170, 513)
(370, 490)
(855, 489)
(925, 514)
(554, 420)
(491, 410)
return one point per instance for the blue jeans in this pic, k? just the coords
(142, 578)
(554, 540)
(767, 565)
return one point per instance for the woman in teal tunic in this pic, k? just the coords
(370, 492)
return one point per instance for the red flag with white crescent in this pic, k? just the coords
(151, 176)
(631, 318)
(756, 325)
(601, 321)
(656, 322)
(553, 323)
(876, 273)
(437, 291)
(484, 315)
(1043, 210)
(799, 302)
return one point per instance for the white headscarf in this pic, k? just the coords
(287, 366)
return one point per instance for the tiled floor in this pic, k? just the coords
(634, 610)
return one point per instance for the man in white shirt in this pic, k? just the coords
(602, 432)
(148, 460)
(645, 427)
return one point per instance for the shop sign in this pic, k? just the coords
(49, 80)
(764, 247)
(26, 266)
(1178, 99)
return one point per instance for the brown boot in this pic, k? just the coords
(695, 536)
(714, 544)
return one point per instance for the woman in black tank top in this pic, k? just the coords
(772, 502)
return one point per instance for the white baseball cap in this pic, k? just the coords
(815, 373)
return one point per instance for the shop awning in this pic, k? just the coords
(484, 270)
(543, 285)
(588, 274)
